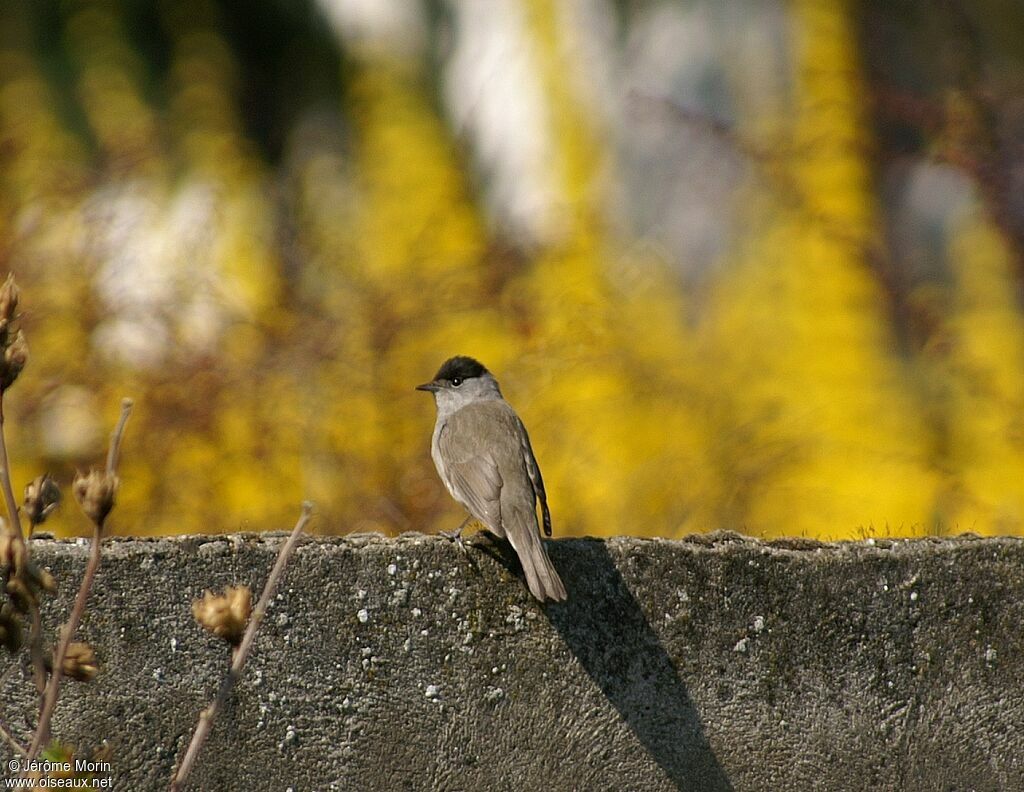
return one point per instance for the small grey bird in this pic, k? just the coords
(483, 456)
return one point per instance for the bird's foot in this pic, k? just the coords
(456, 535)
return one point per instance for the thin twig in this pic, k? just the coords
(114, 452)
(12, 740)
(241, 654)
(42, 735)
(4, 731)
(5, 480)
(35, 640)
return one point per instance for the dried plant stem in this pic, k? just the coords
(42, 735)
(4, 731)
(10, 739)
(36, 650)
(114, 452)
(5, 480)
(67, 632)
(241, 654)
(35, 640)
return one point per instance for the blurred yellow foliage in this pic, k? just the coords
(985, 372)
(829, 438)
(271, 319)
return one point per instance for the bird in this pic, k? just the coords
(483, 455)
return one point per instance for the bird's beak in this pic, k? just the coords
(433, 387)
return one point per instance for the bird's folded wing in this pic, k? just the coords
(475, 479)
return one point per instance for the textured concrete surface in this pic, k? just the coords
(713, 663)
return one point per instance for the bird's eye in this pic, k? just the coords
(456, 381)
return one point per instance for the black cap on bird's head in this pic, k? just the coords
(460, 367)
(455, 371)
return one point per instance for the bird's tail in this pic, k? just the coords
(541, 577)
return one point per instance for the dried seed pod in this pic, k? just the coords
(80, 662)
(14, 359)
(225, 615)
(23, 598)
(42, 496)
(95, 492)
(7, 551)
(10, 629)
(13, 554)
(38, 577)
(9, 294)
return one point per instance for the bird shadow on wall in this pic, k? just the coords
(605, 628)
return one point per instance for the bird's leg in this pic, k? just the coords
(456, 535)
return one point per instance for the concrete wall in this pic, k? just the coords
(712, 663)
